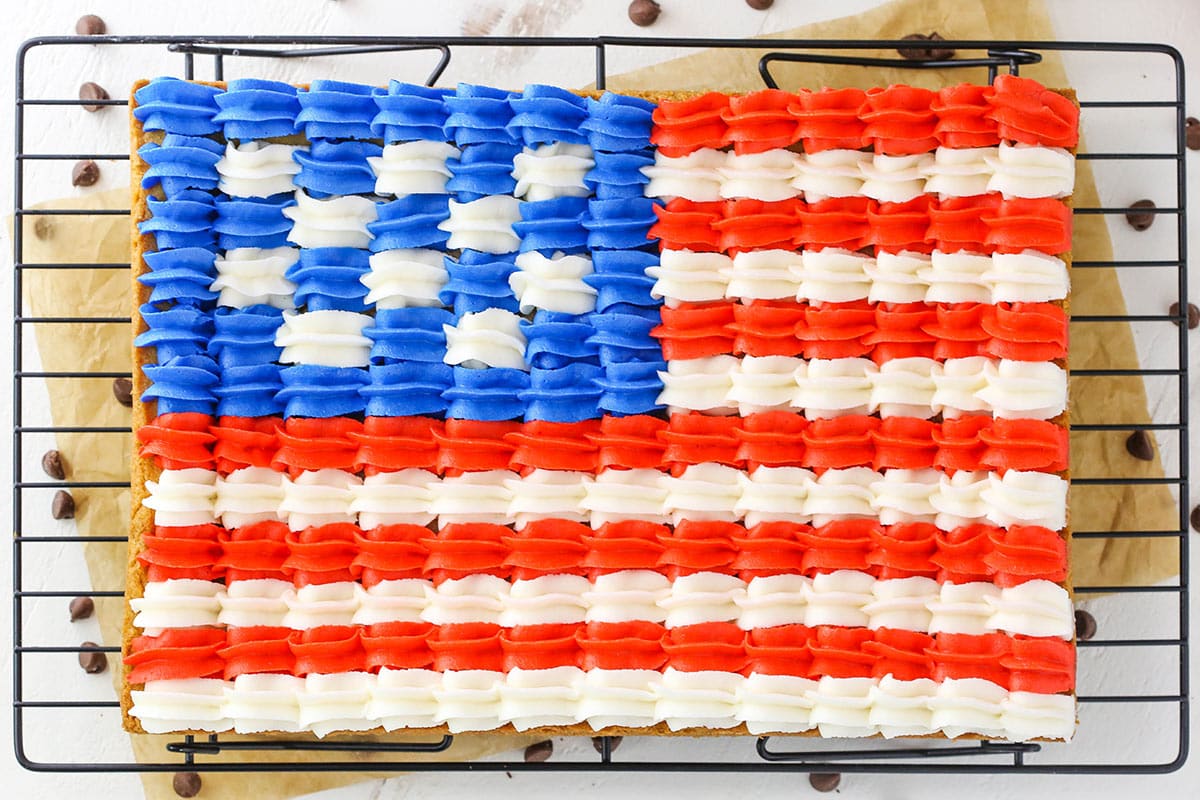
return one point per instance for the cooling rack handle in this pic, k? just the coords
(996, 57)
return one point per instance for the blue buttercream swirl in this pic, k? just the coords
(624, 335)
(486, 394)
(185, 220)
(479, 114)
(408, 112)
(249, 391)
(410, 222)
(566, 394)
(482, 170)
(181, 162)
(479, 281)
(328, 278)
(407, 389)
(544, 114)
(336, 168)
(182, 384)
(554, 340)
(550, 225)
(180, 275)
(618, 175)
(336, 110)
(253, 221)
(313, 390)
(631, 388)
(252, 108)
(245, 337)
(620, 278)
(178, 330)
(618, 124)
(175, 106)
(403, 335)
(619, 224)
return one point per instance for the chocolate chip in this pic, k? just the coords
(1193, 315)
(63, 505)
(825, 781)
(90, 25)
(123, 391)
(1195, 519)
(85, 173)
(81, 608)
(92, 661)
(539, 752)
(760, 5)
(613, 743)
(1140, 220)
(1139, 446)
(92, 91)
(43, 228)
(925, 53)
(52, 465)
(644, 12)
(1085, 625)
(186, 784)
(1191, 133)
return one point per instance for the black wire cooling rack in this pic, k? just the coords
(760, 755)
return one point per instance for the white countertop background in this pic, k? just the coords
(1175, 22)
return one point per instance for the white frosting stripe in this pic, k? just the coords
(526, 699)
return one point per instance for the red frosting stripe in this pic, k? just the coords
(699, 546)
(839, 653)
(963, 116)
(245, 442)
(389, 553)
(178, 441)
(760, 121)
(1044, 666)
(467, 548)
(842, 544)
(782, 650)
(541, 646)
(1024, 444)
(467, 645)
(1024, 553)
(397, 645)
(904, 550)
(899, 120)
(900, 653)
(322, 554)
(328, 649)
(1023, 223)
(839, 442)
(472, 446)
(1026, 331)
(625, 544)
(632, 442)
(258, 649)
(175, 654)
(256, 551)
(961, 553)
(696, 438)
(829, 119)
(771, 439)
(957, 223)
(765, 328)
(1025, 111)
(836, 330)
(961, 655)
(758, 225)
(183, 552)
(709, 646)
(769, 548)
(900, 332)
(390, 444)
(834, 222)
(547, 547)
(958, 331)
(686, 225)
(958, 443)
(312, 444)
(621, 645)
(893, 227)
(903, 443)
(555, 445)
(684, 126)
(696, 330)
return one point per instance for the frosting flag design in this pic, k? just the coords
(484, 408)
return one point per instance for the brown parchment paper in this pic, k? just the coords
(105, 347)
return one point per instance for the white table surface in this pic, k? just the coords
(1173, 22)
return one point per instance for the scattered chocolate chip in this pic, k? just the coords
(52, 465)
(123, 391)
(1139, 446)
(1140, 220)
(760, 5)
(186, 784)
(90, 25)
(539, 752)
(1195, 519)
(1193, 315)
(825, 781)
(43, 228)
(1191, 133)
(613, 743)
(1085, 625)
(92, 91)
(925, 53)
(92, 661)
(63, 505)
(85, 173)
(81, 608)
(644, 12)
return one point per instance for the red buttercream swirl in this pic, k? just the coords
(904, 443)
(547, 547)
(899, 120)
(962, 552)
(836, 330)
(396, 645)
(322, 554)
(956, 223)
(554, 445)
(771, 439)
(389, 553)
(839, 442)
(390, 444)
(1043, 666)
(178, 441)
(760, 121)
(1025, 111)
(622, 645)
(625, 544)
(758, 225)
(699, 438)
(327, 650)
(781, 650)
(541, 646)
(900, 653)
(256, 551)
(466, 445)
(175, 654)
(899, 332)
(1026, 331)
(961, 655)
(183, 552)
(769, 548)
(1026, 553)
(963, 116)
(829, 119)
(467, 645)
(245, 442)
(684, 126)
(903, 550)
(687, 225)
(1023, 223)
(315, 443)
(893, 227)
(958, 442)
(839, 653)
(834, 222)
(699, 546)
(696, 330)
(1024, 444)
(257, 649)
(709, 646)
(632, 442)
(957, 330)
(766, 328)
(467, 548)
(841, 544)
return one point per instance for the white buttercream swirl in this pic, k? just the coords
(332, 222)
(830, 173)
(764, 275)
(761, 176)
(552, 170)
(693, 177)
(489, 338)
(895, 179)
(417, 167)
(330, 338)
(484, 224)
(318, 497)
(248, 495)
(248, 276)
(553, 283)
(1022, 170)
(699, 384)
(682, 276)
(183, 497)
(179, 603)
(257, 169)
(832, 275)
(395, 498)
(959, 172)
(405, 278)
